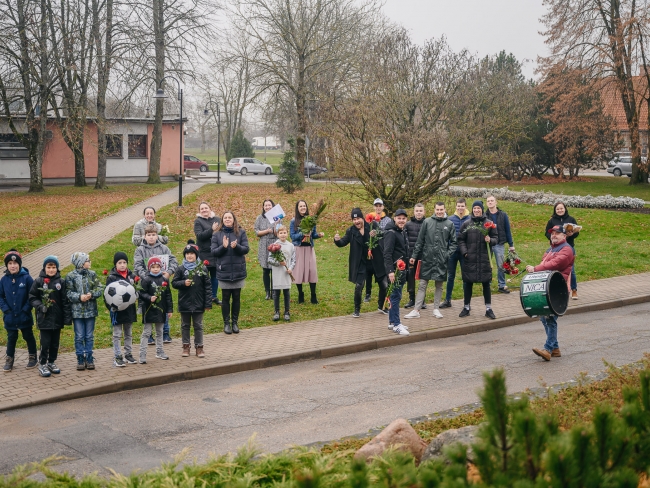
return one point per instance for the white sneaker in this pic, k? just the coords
(391, 326)
(401, 330)
(437, 314)
(413, 314)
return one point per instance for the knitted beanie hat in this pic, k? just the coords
(191, 247)
(478, 203)
(119, 255)
(153, 260)
(51, 259)
(79, 259)
(15, 256)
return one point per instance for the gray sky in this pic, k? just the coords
(481, 26)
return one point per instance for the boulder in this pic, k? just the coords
(464, 435)
(398, 435)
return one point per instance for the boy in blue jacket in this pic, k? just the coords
(16, 309)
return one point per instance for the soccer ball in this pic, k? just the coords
(119, 295)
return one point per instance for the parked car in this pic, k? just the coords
(243, 166)
(622, 164)
(192, 162)
(313, 168)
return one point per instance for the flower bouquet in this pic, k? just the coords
(164, 230)
(569, 227)
(199, 270)
(275, 250)
(308, 222)
(45, 299)
(374, 240)
(400, 267)
(159, 290)
(485, 230)
(510, 263)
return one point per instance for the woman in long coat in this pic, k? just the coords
(264, 230)
(205, 225)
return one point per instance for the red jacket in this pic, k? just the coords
(558, 258)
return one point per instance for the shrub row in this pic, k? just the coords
(548, 198)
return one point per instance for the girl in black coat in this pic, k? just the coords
(51, 313)
(560, 217)
(155, 308)
(205, 225)
(194, 297)
(476, 266)
(230, 246)
(122, 320)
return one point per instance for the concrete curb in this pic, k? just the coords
(157, 379)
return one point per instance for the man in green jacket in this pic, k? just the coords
(436, 242)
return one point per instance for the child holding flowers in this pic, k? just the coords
(157, 306)
(192, 280)
(49, 299)
(282, 258)
(83, 289)
(123, 320)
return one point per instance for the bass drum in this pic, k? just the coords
(544, 293)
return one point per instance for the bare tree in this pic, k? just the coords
(602, 36)
(25, 78)
(298, 43)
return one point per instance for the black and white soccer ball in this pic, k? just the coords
(119, 295)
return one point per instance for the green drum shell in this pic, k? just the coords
(544, 293)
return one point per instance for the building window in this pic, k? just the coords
(113, 145)
(12, 148)
(137, 146)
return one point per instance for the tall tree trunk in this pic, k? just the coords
(104, 62)
(159, 48)
(301, 128)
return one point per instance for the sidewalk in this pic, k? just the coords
(94, 235)
(286, 343)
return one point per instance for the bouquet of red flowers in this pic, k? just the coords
(275, 250)
(199, 270)
(159, 290)
(45, 299)
(484, 230)
(400, 267)
(374, 239)
(510, 263)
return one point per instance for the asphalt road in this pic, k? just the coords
(311, 401)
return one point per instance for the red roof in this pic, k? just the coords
(613, 106)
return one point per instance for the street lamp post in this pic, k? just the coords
(160, 94)
(218, 120)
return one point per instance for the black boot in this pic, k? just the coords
(226, 326)
(301, 294)
(268, 295)
(235, 327)
(312, 288)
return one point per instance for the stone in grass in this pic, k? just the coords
(464, 435)
(398, 435)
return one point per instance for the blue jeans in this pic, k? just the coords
(499, 255)
(451, 272)
(574, 281)
(550, 325)
(213, 281)
(84, 335)
(395, 298)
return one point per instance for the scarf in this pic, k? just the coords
(228, 230)
(124, 273)
(189, 266)
(155, 274)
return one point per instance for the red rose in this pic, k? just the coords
(506, 266)
(377, 218)
(369, 218)
(515, 271)
(206, 262)
(401, 265)
(517, 261)
(105, 272)
(46, 281)
(369, 254)
(164, 283)
(487, 225)
(136, 279)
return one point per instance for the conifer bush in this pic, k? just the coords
(289, 177)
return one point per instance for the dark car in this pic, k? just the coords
(192, 162)
(312, 168)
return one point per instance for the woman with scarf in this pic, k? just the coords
(229, 247)
(560, 217)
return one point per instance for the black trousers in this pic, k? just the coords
(467, 290)
(226, 295)
(359, 282)
(370, 273)
(276, 299)
(12, 338)
(410, 282)
(266, 278)
(50, 339)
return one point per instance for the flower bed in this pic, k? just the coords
(548, 198)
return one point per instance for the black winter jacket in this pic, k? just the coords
(58, 313)
(203, 233)
(231, 263)
(156, 312)
(194, 298)
(377, 261)
(130, 314)
(472, 245)
(413, 227)
(395, 246)
(557, 220)
(358, 250)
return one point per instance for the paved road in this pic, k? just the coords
(311, 401)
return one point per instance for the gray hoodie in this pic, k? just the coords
(144, 251)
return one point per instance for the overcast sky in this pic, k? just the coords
(481, 26)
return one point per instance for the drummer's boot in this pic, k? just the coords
(556, 353)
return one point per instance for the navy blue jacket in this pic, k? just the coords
(14, 300)
(503, 226)
(458, 221)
